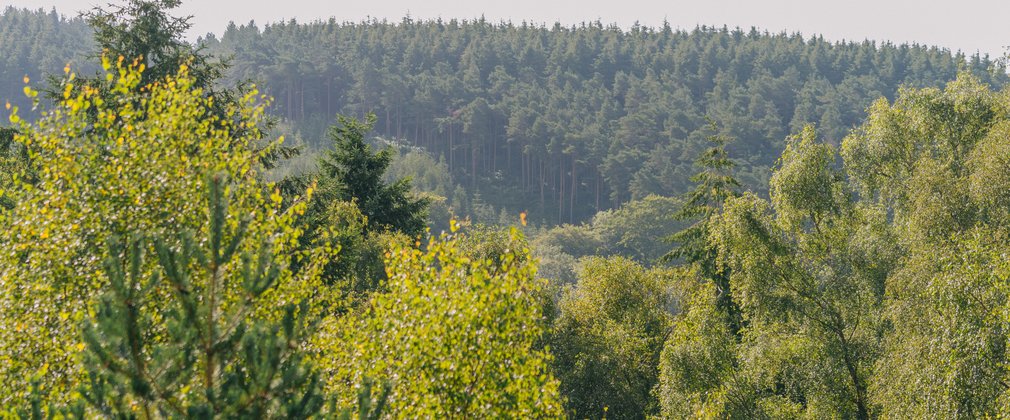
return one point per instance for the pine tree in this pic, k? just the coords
(714, 183)
(180, 341)
(171, 342)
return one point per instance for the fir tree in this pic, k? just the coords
(352, 172)
(714, 183)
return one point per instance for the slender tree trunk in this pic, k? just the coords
(541, 185)
(597, 191)
(508, 161)
(474, 156)
(862, 412)
(290, 106)
(561, 189)
(572, 193)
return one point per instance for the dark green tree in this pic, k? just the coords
(352, 172)
(714, 183)
(145, 29)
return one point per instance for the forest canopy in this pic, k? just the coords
(561, 122)
(471, 219)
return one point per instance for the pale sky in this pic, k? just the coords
(967, 25)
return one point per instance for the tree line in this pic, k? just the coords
(562, 122)
(153, 267)
(565, 122)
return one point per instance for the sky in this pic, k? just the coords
(967, 25)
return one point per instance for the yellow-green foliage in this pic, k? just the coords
(937, 162)
(949, 307)
(698, 358)
(989, 182)
(926, 133)
(609, 334)
(114, 158)
(805, 185)
(453, 336)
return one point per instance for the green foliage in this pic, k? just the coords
(430, 178)
(424, 172)
(989, 181)
(933, 159)
(492, 244)
(183, 338)
(811, 308)
(358, 268)
(561, 121)
(872, 289)
(454, 336)
(108, 166)
(888, 303)
(698, 362)
(949, 305)
(36, 43)
(635, 231)
(15, 167)
(805, 186)
(608, 336)
(351, 172)
(883, 154)
(565, 122)
(554, 264)
(576, 240)
(145, 29)
(806, 273)
(714, 184)
(354, 208)
(145, 32)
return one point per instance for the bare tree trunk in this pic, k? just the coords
(561, 189)
(474, 156)
(573, 192)
(597, 191)
(541, 186)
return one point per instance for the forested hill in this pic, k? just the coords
(35, 43)
(568, 121)
(560, 121)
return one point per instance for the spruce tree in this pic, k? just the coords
(352, 172)
(146, 31)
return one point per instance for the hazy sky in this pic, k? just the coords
(967, 25)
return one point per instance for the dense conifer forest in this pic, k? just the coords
(464, 218)
(562, 122)
(573, 120)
